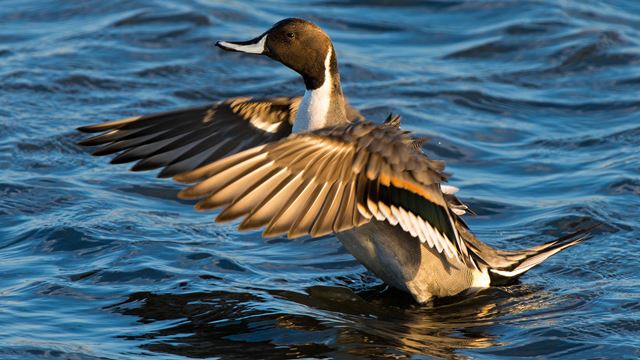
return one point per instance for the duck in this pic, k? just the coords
(312, 165)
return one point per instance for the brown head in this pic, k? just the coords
(298, 44)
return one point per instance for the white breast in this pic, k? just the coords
(312, 113)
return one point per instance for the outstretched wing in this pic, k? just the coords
(185, 139)
(331, 180)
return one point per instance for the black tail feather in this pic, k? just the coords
(523, 260)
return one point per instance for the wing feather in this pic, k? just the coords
(345, 218)
(199, 155)
(325, 218)
(183, 140)
(293, 207)
(331, 180)
(226, 189)
(325, 181)
(259, 203)
(304, 225)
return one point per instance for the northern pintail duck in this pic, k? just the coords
(313, 166)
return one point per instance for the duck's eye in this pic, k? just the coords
(291, 35)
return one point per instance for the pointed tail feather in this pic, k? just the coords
(520, 261)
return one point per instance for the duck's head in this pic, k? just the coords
(298, 44)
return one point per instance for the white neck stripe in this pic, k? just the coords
(313, 110)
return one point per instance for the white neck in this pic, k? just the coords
(313, 110)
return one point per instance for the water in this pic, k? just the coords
(534, 106)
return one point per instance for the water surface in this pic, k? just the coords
(535, 106)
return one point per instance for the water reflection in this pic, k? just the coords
(327, 321)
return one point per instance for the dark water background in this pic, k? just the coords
(535, 106)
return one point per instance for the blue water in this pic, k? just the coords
(535, 106)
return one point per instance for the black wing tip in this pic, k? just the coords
(103, 152)
(87, 129)
(167, 172)
(96, 128)
(143, 165)
(138, 167)
(92, 141)
(120, 159)
(86, 142)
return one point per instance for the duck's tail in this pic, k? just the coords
(506, 266)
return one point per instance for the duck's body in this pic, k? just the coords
(406, 264)
(369, 184)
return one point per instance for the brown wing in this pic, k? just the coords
(331, 180)
(185, 139)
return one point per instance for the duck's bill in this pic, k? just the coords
(255, 46)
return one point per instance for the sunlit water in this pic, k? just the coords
(535, 106)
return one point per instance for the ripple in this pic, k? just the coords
(629, 136)
(148, 18)
(594, 55)
(198, 256)
(139, 276)
(632, 81)
(25, 86)
(354, 25)
(537, 28)
(624, 186)
(355, 73)
(91, 82)
(69, 239)
(28, 351)
(166, 70)
(34, 198)
(484, 51)
(483, 101)
(435, 5)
